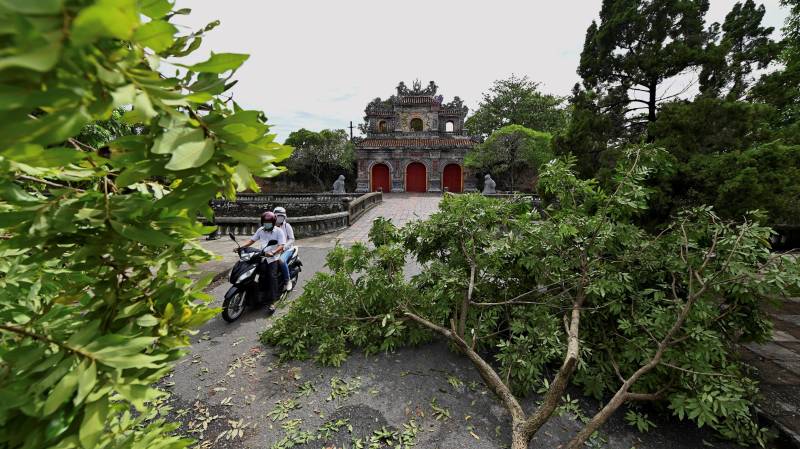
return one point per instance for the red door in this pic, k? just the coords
(416, 178)
(451, 178)
(381, 179)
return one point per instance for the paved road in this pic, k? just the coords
(230, 381)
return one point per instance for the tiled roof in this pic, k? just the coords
(415, 143)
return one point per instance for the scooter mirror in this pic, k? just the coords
(233, 237)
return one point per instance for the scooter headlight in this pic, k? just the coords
(246, 275)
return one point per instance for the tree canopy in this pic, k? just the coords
(509, 152)
(96, 304)
(637, 50)
(517, 101)
(324, 155)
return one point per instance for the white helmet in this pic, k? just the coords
(279, 211)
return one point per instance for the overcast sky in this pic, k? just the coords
(316, 64)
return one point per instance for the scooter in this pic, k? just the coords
(245, 291)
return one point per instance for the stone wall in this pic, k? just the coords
(242, 217)
(296, 204)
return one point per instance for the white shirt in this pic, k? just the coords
(287, 229)
(266, 236)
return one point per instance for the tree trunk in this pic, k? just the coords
(651, 102)
(651, 108)
(519, 438)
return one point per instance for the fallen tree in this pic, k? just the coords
(583, 297)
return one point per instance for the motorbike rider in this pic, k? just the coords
(288, 249)
(268, 231)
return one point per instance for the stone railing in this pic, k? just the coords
(291, 198)
(359, 206)
(302, 226)
(307, 226)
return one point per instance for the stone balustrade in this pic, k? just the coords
(357, 207)
(352, 208)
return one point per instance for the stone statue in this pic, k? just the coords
(489, 185)
(338, 185)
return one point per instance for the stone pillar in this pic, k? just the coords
(435, 171)
(362, 182)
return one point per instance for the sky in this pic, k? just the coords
(316, 64)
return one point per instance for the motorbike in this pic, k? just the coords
(246, 290)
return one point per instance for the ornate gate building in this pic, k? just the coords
(414, 143)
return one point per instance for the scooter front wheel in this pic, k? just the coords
(233, 305)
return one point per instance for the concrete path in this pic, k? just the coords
(398, 207)
(229, 388)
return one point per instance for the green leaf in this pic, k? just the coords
(105, 19)
(15, 194)
(37, 156)
(86, 381)
(32, 7)
(142, 110)
(191, 154)
(157, 35)
(147, 320)
(93, 424)
(244, 179)
(219, 63)
(168, 142)
(62, 392)
(145, 235)
(40, 59)
(155, 9)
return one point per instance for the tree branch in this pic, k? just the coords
(488, 374)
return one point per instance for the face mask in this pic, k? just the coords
(280, 220)
(268, 226)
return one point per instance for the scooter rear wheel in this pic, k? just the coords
(233, 307)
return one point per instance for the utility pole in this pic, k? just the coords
(351, 130)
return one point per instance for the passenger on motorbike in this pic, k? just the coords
(288, 249)
(267, 232)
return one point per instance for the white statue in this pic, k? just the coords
(338, 185)
(489, 185)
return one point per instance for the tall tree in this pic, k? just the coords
(319, 153)
(736, 47)
(510, 151)
(517, 101)
(597, 122)
(640, 44)
(782, 87)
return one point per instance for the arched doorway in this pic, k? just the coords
(416, 178)
(451, 178)
(381, 178)
(416, 124)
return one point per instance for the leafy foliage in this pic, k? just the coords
(517, 101)
(661, 315)
(640, 44)
(95, 302)
(324, 155)
(743, 46)
(510, 153)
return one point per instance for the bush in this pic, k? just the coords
(95, 300)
